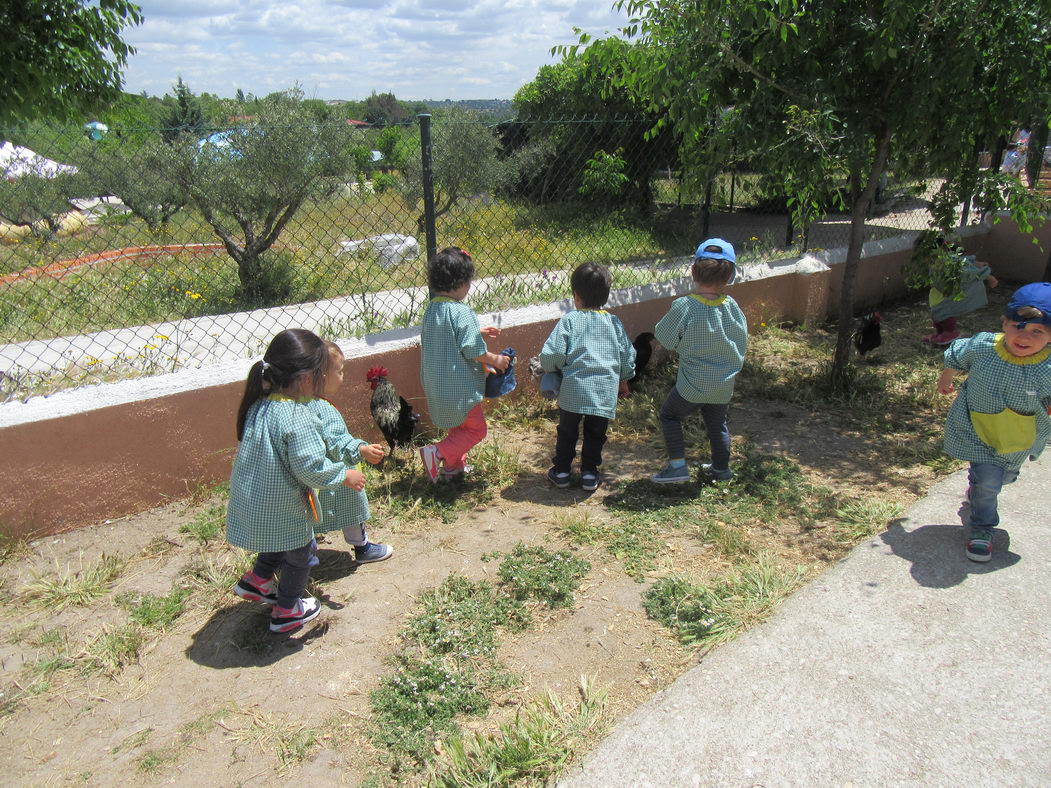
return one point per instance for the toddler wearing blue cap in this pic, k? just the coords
(1000, 416)
(709, 332)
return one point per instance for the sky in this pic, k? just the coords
(416, 49)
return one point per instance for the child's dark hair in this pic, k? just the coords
(450, 270)
(712, 272)
(291, 354)
(591, 282)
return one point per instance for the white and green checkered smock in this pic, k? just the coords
(452, 380)
(711, 337)
(342, 506)
(282, 454)
(997, 381)
(592, 351)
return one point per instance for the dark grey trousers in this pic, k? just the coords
(294, 566)
(675, 409)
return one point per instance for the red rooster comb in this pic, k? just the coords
(375, 373)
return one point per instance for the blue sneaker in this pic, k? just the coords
(371, 552)
(980, 545)
(560, 480)
(718, 474)
(590, 481)
(671, 475)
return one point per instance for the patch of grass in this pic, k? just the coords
(405, 495)
(419, 703)
(861, 518)
(459, 619)
(207, 524)
(530, 749)
(537, 573)
(156, 612)
(133, 741)
(157, 760)
(112, 650)
(75, 588)
(638, 553)
(12, 547)
(708, 614)
(214, 575)
(291, 741)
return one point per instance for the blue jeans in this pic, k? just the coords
(986, 482)
(294, 566)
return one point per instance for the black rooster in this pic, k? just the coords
(643, 352)
(392, 414)
(867, 336)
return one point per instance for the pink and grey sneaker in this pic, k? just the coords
(285, 619)
(431, 461)
(255, 589)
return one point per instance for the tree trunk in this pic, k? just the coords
(858, 211)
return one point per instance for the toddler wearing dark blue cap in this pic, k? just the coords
(1001, 415)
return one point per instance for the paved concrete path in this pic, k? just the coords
(905, 664)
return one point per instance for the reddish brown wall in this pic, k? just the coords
(65, 472)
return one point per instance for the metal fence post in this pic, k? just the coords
(428, 185)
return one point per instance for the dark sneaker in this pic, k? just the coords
(719, 474)
(980, 545)
(590, 481)
(283, 619)
(560, 480)
(249, 587)
(372, 552)
(671, 475)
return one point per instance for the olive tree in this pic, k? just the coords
(249, 181)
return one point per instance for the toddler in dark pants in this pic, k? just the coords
(591, 350)
(709, 332)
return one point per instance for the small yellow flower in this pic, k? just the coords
(763, 325)
(92, 361)
(160, 336)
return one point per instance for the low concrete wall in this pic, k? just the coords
(82, 456)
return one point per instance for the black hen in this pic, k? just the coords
(392, 414)
(643, 345)
(868, 336)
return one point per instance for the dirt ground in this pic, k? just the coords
(208, 701)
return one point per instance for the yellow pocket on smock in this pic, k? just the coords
(1007, 431)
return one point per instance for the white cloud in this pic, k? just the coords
(415, 48)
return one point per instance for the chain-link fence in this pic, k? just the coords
(149, 250)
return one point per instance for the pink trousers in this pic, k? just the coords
(460, 440)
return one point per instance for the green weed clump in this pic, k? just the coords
(547, 577)
(446, 666)
(82, 587)
(530, 749)
(207, 524)
(156, 612)
(709, 614)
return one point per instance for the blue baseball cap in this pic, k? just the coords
(1036, 295)
(716, 249)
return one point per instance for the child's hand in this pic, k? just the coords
(991, 281)
(490, 332)
(355, 480)
(373, 453)
(497, 361)
(945, 385)
(623, 390)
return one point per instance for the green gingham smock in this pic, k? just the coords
(975, 296)
(592, 351)
(1004, 397)
(282, 454)
(342, 506)
(711, 337)
(452, 380)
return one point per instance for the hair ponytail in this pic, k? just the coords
(291, 354)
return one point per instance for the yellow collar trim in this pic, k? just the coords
(1011, 358)
(286, 398)
(443, 300)
(589, 309)
(709, 301)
